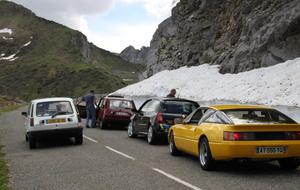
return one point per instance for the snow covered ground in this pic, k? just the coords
(276, 85)
(6, 30)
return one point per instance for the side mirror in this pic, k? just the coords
(24, 114)
(134, 110)
(178, 120)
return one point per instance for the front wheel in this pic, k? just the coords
(102, 124)
(130, 131)
(172, 147)
(289, 163)
(32, 143)
(151, 136)
(205, 157)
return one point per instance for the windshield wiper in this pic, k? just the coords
(59, 113)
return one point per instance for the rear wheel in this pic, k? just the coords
(289, 163)
(26, 137)
(130, 131)
(102, 124)
(79, 139)
(32, 143)
(172, 147)
(151, 136)
(205, 157)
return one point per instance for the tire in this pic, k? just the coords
(172, 147)
(289, 163)
(79, 139)
(151, 136)
(98, 123)
(32, 143)
(130, 131)
(102, 124)
(205, 158)
(26, 138)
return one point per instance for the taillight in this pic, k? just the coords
(78, 118)
(238, 136)
(31, 122)
(159, 118)
(292, 135)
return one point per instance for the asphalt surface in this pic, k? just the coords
(108, 159)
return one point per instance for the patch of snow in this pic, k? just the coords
(6, 30)
(275, 85)
(8, 58)
(5, 38)
(2, 54)
(13, 59)
(27, 44)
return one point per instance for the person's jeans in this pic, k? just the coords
(91, 115)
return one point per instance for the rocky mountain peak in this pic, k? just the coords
(237, 35)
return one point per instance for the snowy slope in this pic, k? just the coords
(276, 85)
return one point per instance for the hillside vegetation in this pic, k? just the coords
(53, 60)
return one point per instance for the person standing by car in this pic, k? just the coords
(90, 102)
(172, 93)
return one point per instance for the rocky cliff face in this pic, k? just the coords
(238, 35)
(133, 55)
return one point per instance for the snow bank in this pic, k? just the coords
(6, 30)
(276, 85)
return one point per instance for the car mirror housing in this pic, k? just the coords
(178, 121)
(24, 114)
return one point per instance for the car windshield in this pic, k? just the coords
(120, 104)
(178, 107)
(53, 108)
(258, 116)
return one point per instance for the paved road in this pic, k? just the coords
(110, 160)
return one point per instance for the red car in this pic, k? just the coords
(114, 110)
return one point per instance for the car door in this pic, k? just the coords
(28, 116)
(140, 122)
(186, 137)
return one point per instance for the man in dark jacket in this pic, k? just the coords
(172, 93)
(90, 102)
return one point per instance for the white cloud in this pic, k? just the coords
(115, 37)
(158, 8)
(68, 12)
(118, 37)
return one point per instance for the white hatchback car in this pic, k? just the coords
(52, 117)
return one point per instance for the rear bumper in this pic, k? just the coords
(69, 132)
(162, 129)
(233, 150)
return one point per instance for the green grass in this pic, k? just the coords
(3, 171)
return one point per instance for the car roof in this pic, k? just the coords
(237, 106)
(52, 99)
(172, 99)
(116, 98)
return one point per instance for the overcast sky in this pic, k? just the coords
(110, 24)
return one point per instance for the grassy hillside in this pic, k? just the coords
(56, 62)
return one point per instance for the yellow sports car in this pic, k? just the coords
(225, 132)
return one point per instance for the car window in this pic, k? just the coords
(214, 118)
(120, 104)
(146, 107)
(207, 113)
(196, 117)
(51, 108)
(178, 107)
(258, 116)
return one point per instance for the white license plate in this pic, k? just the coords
(271, 150)
(121, 113)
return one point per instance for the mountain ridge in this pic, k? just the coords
(56, 61)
